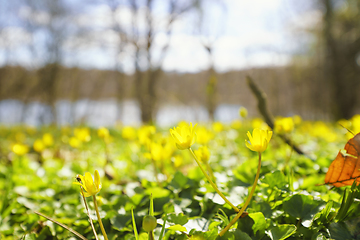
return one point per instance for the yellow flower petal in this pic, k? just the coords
(259, 140)
(88, 184)
(97, 180)
(184, 136)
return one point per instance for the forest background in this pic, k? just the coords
(56, 51)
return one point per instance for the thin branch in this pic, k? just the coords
(266, 114)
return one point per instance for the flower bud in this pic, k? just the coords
(149, 223)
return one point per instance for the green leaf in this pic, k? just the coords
(318, 236)
(119, 221)
(179, 180)
(144, 236)
(31, 236)
(158, 192)
(246, 171)
(241, 235)
(302, 206)
(275, 180)
(281, 232)
(182, 202)
(177, 227)
(136, 199)
(180, 219)
(214, 225)
(195, 174)
(346, 204)
(234, 235)
(45, 233)
(259, 222)
(222, 216)
(227, 236)
(263, 207)
(339, 231)
(211, 235)
(324, 215)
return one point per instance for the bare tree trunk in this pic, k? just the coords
(147, 77)
(119, 78)
(211, 93)
(343, 91)
(146, 83)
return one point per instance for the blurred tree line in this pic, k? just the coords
(323, 79)
(332, 63)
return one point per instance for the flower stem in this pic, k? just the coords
(212, 183)
(151, 235)
(155, 171)
(99, 219)
(247, 200)
(88, 213)
(210, 171)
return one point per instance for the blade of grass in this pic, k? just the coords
(163, 228)
(134, 224)
(151, 209)
(62, 225)
(151, 213)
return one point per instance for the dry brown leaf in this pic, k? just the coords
(345, 169)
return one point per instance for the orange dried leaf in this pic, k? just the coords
(345, 169)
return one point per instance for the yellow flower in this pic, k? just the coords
(243, 112)
(284, 125)
(297, 119)
(258, 123)
(103, 133)
(321, 130)
(184, 136)
(259, 140)
(83, 134)
(355, 121)
(20, 137)
(343, 123)
(203, 154)
(156, 151)
(74, 142)
(39, 146)
(145, 134)
(87, 182)
(161, 152)
(20, 149)
(48, 139)
(218, 127)
(178, 161)
(236, 124)
(128, 133)
(203, 136)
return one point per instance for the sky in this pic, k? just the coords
(243, 34)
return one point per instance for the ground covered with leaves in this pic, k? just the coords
(39, 165)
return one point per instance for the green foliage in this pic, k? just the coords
(287, 203)
(281, 232)
(301, 206)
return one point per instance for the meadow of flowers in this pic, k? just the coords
(190, 181)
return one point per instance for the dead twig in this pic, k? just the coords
(266, 114)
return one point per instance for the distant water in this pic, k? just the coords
(107, 113)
